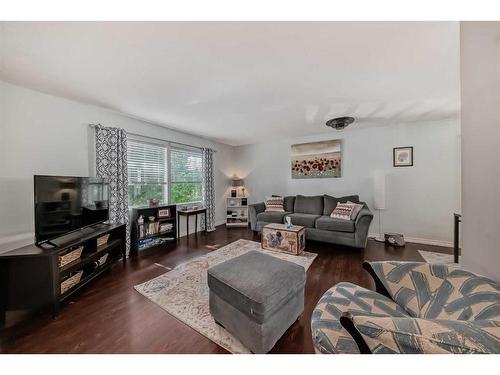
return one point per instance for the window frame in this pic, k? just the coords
(169, 146)
(195, 150)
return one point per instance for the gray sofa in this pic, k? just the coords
(313, 212)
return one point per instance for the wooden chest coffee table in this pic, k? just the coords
(278, 237)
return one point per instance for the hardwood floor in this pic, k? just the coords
(111, 317)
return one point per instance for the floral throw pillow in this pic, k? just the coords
(274, 204)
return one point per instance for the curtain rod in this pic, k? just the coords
(157, 139)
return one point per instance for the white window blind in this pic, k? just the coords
(186, 165)
(146, 163)
(164, 171)
(147, 172)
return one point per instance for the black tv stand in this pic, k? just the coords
(31, 277)
(71, 237)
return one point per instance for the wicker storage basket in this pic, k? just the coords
(103, 240)
(103, 259)
(71, 281)
(70, 257)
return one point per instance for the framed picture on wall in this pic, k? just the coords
(317, 159)
(402, 156)
(164, 212)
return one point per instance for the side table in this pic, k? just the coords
(188, 213)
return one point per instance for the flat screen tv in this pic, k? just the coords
(65, 204)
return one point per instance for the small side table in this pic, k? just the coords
(188, 213)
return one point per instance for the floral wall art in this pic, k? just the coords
(317, 159)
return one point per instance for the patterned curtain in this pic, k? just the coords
(208, 187)
(111, 163)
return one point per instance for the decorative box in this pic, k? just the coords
(278, 237)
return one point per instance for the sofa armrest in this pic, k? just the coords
(253, 210)
(362, 224)
(422, 336)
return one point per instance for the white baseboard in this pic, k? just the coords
(423, 241)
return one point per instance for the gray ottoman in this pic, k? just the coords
(256, 297)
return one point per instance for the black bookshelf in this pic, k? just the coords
(160, 231)
(32, 277)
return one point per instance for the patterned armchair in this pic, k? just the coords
(418, 308)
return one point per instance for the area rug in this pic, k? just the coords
(436, 258)
(183, 291)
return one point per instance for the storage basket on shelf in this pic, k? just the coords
(71, 281)
(103, 240)
(70, 257)
(103, 259)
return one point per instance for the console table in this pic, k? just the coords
(188, 213)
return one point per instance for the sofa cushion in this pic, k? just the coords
(328, 334)
(336, 225)
(272, 217)
(331, 202)
(306, 220)
(357, 207)
(289, 203)
(309, 205)
(256, 284)
(388, 335)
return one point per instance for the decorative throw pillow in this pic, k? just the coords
(355, 211)
(343, 211)
(384, 335)
(274, 204)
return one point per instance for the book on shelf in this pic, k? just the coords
(153, 241)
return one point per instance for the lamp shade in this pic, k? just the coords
(379, 190)
(237, 182)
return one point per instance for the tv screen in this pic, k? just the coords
(65, 204)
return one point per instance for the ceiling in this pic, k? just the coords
(243, 82)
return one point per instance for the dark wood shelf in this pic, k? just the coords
(87, 279)
(159, 234)
(83, 261)
(146, 212)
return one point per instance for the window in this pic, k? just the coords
(185, 171)
(167, 172)
(147, 172)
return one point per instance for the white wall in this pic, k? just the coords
(43, 134)
(480, 81)
(420, 200)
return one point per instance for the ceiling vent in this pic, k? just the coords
(340, 123)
